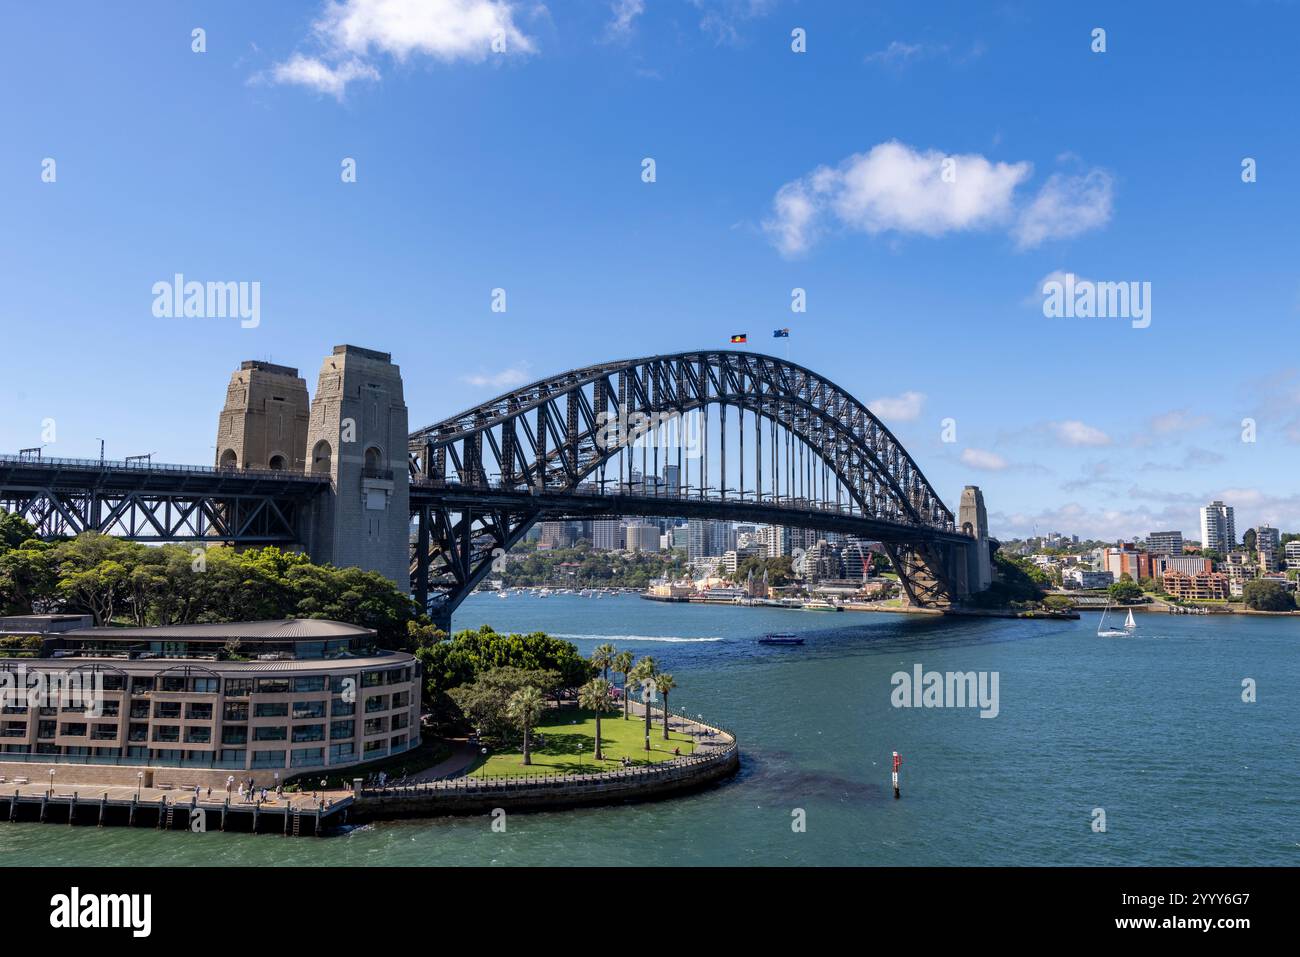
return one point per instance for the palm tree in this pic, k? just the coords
(665, 683)
(644, 674)
(622, 664)
(594, 696)
(525, 707)
(603, 658)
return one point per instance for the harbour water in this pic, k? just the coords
(1151, 729)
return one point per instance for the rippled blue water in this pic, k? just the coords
(1152, 729)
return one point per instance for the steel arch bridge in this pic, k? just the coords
(569, 445)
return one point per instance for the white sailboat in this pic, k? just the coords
(1130, 626)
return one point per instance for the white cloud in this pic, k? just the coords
(983, 459)
(516, 375)
(897, 53)
(899, 408)
(894, 187)
(1074, 432)
(625, 14)
(351, 32)
(320, 76)
(724, 19)
(1066, 206)
(897, 188)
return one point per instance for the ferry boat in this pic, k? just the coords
(819, 604)
(781, 638)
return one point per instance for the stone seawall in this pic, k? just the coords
(547, 792)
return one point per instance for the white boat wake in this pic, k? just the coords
(676, 639)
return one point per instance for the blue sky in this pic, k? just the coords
(522, 170)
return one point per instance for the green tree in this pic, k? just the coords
(1123, 592)
(28, 577)
(623, 665)
(665, 683)
(485, 701)
(594, 696)
(14, 530)
(525, 708)
(603, 657)
(643, 675)
(1267, 596)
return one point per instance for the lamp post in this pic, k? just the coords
(139, 784)
(50, 792)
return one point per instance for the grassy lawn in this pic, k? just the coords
(569, 741)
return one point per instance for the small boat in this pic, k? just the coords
(781, 638)
(1130, 626)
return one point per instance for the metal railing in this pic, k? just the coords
(161, 468)
(495, 783)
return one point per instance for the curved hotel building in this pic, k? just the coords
(270, 699)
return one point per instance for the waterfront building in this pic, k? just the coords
(1206, 586)
(642, 538)
(1086, 578)
(1292, 552)
(776, 538)
(607, 534)
(1126, 559)
(269, 696)
(1268, 543)
(557, 535)
(1218, 527)
(1184, 564)
(1165, 543)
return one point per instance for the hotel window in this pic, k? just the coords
(167, 755)
(204, 685)
(309, 709)
(272, 685)
(73, 730)
(110, 709)
(268, 759)
(47, 748)
(308, 757)
(14, 709)
(114, 682)
(198, 712)
(104, 732)
(235, 711)
(343, 729)
(371, 679)
(377, 702)
(17, 749)
(401, 720)
(171, 683)
(399, 741)
(142, 753)
(234, 756)
(376, 726)
(339, 707)
(14, 729)
(198, 735)
(239, 687)
(342, 752)
(341, 683)
(316, 683)
(271, 709)
(167, 709)
(234, 736)
(309, 732)
(397, 676)
(141, 685)
(402, 699)
(166, 732)
(138, 732)
(139, 709)
(376, 746)
(270, 733)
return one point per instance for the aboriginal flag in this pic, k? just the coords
(742, 337)
(780, 333)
